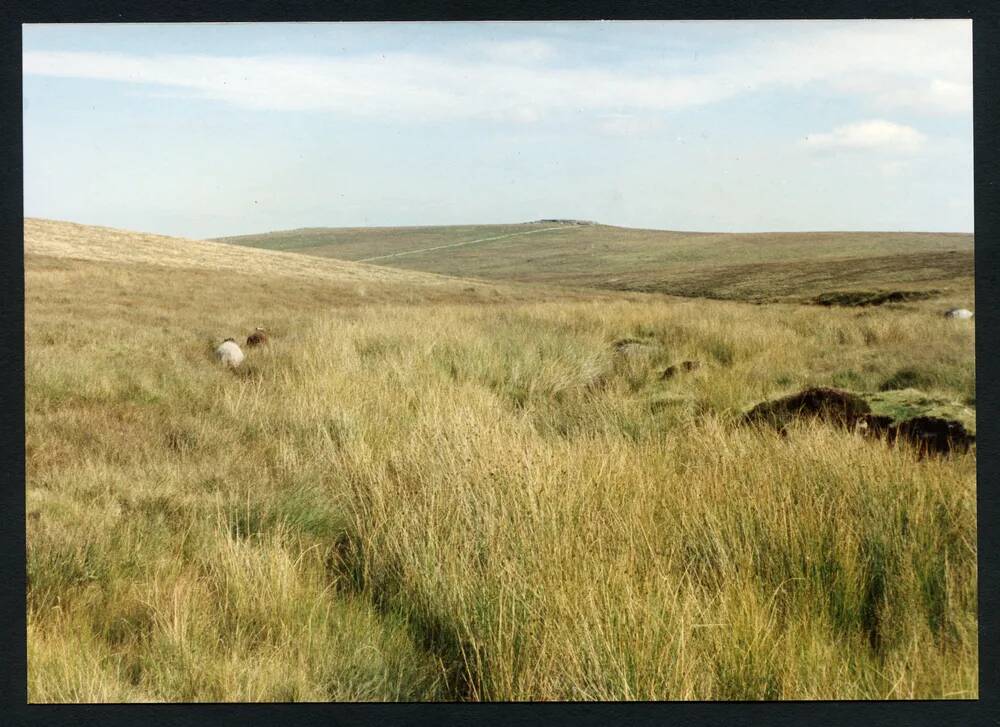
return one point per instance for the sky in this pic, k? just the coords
(206, 130)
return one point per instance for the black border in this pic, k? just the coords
(986, 52)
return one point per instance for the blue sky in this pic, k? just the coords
(220, 129)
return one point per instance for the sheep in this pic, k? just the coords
(672, 371)
(257, 338)
(962, 313)
(229, 353)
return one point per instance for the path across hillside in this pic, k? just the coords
(457, 244)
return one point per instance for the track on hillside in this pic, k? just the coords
(456, 244)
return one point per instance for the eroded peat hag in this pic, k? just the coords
(863, 298)
(907, 416)
(446, 499)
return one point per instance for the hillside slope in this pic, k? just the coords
(52, 245)
(88, 242)
(757, 266)
(361, 243)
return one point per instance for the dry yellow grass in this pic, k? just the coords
(453, 500)
(105, 244)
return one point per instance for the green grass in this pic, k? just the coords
(906, 403)
(757, 267)
(356, 243)
(454, 496)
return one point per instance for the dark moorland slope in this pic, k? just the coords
(752, 266)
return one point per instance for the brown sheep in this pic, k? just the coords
(257, 338)
(672, 371)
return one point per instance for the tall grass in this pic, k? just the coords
(467, 501)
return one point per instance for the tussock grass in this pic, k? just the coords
(452, 500)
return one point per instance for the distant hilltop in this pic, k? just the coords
(839, 268)
(560, 222)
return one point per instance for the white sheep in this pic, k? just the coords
(229, 353)
(963, 313)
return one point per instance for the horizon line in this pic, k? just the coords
(568, 223)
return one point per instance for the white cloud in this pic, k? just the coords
(921, 66)
(938, 96)
(628, 124)
(924, 66)
(894, 168)
(874, 135)
(522, 114)
(390, 85)
(516, 51)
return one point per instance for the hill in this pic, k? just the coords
(50, 244)
(757, 267)
(88, 242)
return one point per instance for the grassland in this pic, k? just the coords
(358, 243)
(757, 267)
(426, 488)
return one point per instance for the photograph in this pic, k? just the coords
(500, 361)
